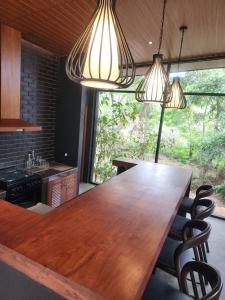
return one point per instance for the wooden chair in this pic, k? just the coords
(208, 273)
(158, 289)
(175, 254)
(202, 209)
(202, 192)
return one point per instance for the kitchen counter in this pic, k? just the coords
(102, 244)
(53, 169)
(54, 172)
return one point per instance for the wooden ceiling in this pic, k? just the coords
(56, 24)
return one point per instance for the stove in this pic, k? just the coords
(22, 187)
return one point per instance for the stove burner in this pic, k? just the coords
(13, 175)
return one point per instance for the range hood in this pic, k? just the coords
(10, 59)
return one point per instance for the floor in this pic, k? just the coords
(216, 257)
(84, 187)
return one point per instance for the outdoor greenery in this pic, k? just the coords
(193, 136)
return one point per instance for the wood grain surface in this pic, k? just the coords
(10, 62)
(9, 125)
(56, 25)
(10, 72)
(109, 238)
(60, 284)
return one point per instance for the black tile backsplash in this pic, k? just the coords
(38, 106)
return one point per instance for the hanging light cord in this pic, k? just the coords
(162, 25)
(182, 28)
(114, 3)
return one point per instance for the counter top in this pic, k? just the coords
(102, 244)
(53, 169)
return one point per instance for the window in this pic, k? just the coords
(192, 137)
(204, 81)
(125, 128)
(196, 136)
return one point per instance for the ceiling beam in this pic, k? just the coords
(184, 60)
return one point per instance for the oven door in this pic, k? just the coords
(23, 201)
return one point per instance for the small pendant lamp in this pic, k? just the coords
(176, 97)
(101, 57)
(154, 87)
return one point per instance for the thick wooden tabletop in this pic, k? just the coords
(108, 239)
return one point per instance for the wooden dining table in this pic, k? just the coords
(104, 243)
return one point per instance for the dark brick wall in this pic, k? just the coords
(38, 105)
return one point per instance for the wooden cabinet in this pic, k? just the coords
(61, 189)
(70, 186)
(10, 72)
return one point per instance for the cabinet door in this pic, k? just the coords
(61, 190)
(56, 192)
(70, 185)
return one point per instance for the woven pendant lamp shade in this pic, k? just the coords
(176, 97)
(101, 57)
(155, 86)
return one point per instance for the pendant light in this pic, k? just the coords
(101, 57)
(154, 87)
(176, 97)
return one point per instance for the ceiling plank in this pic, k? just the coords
(56, 24)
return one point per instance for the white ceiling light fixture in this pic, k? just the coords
(155, 86)
(101, 57)
(176, 97)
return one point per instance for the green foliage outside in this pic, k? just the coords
(221, 189)
(194, 136)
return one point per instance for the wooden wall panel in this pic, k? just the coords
(10, 72)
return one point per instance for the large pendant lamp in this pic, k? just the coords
(101, 57)
(154, 87)
(176, 97)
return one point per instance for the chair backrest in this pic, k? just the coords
(204, 191)
(209, 274)
(202, 209)
(194, 234)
